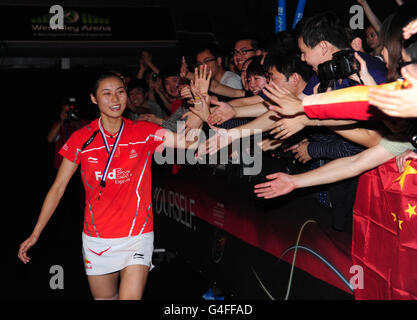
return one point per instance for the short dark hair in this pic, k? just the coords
(324, 26)
(289, 64)
(138, 84)
(283, 42)
(170, 71)
(214, 49)
(255, 68)
(255, 43)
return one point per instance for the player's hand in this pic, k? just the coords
(25, 246)
(221, 113)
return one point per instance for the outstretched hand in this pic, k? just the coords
(202, 79)
(287, 104)
(300, 151)
(269, 144)
(221, 113)
(287, 126)
(280, 183)
(397, 103)
(219, 140)
(201, 103)
(184, 68)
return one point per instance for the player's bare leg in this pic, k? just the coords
(132, 282)
(104, 287)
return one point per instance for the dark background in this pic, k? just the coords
(33, 83)
(190, 22)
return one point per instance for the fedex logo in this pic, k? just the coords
(115, 174)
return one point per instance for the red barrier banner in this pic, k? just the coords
(191, 194)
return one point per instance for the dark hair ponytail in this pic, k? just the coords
(102, 76)
(392, 37)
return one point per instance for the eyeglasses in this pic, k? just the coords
(403, 64)
(205, 61)
(242, 52)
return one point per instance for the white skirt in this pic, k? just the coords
(104, 255)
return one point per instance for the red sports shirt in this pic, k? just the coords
(125, 204)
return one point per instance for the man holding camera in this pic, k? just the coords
(324, 46)
(323, 43)
(68, 122)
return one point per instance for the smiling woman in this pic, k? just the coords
(115, 155)
(111, 98)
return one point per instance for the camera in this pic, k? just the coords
(342, 65)
(154, 77)
(73, 110)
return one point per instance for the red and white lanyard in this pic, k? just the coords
(110, 152)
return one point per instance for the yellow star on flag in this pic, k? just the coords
(400, 222)
(408, 170)
(411, 211)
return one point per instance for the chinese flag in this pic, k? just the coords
(347, 103)
(384, 236)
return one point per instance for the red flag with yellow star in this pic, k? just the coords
(384, 236)
(347, 103)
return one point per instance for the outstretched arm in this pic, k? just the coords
(52, 199)
(362, 136)
(348, 103)
(373, 19)
(224, 137)
(223, 90)
(188, 138)
(398, 103)
(336, 170)
(181, 140)
(226, 111)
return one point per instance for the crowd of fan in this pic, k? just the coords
(263, 87)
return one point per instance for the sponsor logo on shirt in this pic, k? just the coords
(138, 256)
(92, 160)
(118, 175)
(133, 154)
